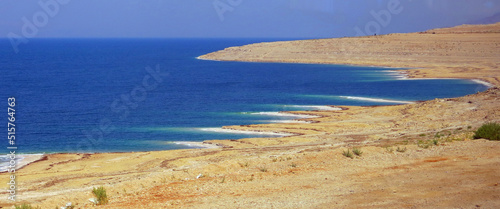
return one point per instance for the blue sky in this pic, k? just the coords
(234, 18)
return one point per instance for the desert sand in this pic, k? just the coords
(417, 155)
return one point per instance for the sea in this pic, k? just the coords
(130, 95)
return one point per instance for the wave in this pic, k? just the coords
(232, 131)
(376, 100)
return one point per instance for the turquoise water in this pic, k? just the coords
(104, 95)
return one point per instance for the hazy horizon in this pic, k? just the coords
(234, 18)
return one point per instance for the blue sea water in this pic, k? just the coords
(121, 95)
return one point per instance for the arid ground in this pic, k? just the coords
(417, 155)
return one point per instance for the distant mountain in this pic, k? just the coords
(488, 20)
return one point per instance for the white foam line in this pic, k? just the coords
(21, 160)
(283, 114)
(315, 107)
(195, 144)
(224, 130)
(286, 121)
(433, 78)
(489, 85)
(404, 76)
(376, 99)
(399, 75)
(201, 58)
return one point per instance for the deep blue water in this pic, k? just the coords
(91, 95)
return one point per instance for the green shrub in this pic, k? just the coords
(489, 131)
(424, 144)
(357, 151)
(100, 194)
(26, 206)
(348, 154)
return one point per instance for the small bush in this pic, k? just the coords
(423, 144)
(442, 134)
(100, 194)
(263, 169)
(26, 206)
(401, 149)
(389, 149)
(245, 164)
(348, 154)
(489, 131)
(357, 151)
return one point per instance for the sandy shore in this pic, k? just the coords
(462, 52)
(417, 155)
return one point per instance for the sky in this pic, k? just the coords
(233, 18)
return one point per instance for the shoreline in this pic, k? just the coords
(196, 145)
(427, 51)
(400, 74)
(308, 169)
(22, 160)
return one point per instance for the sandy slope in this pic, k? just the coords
(460, 52)
(309, 170)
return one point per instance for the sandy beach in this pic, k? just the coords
(417, 155)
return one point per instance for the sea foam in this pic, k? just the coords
(489, 85)
(232, 131)
(286, 121)
(284, 114)
(21, 160)
(315, 107)
(398, 75)
(195, 144)
(376, 100)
